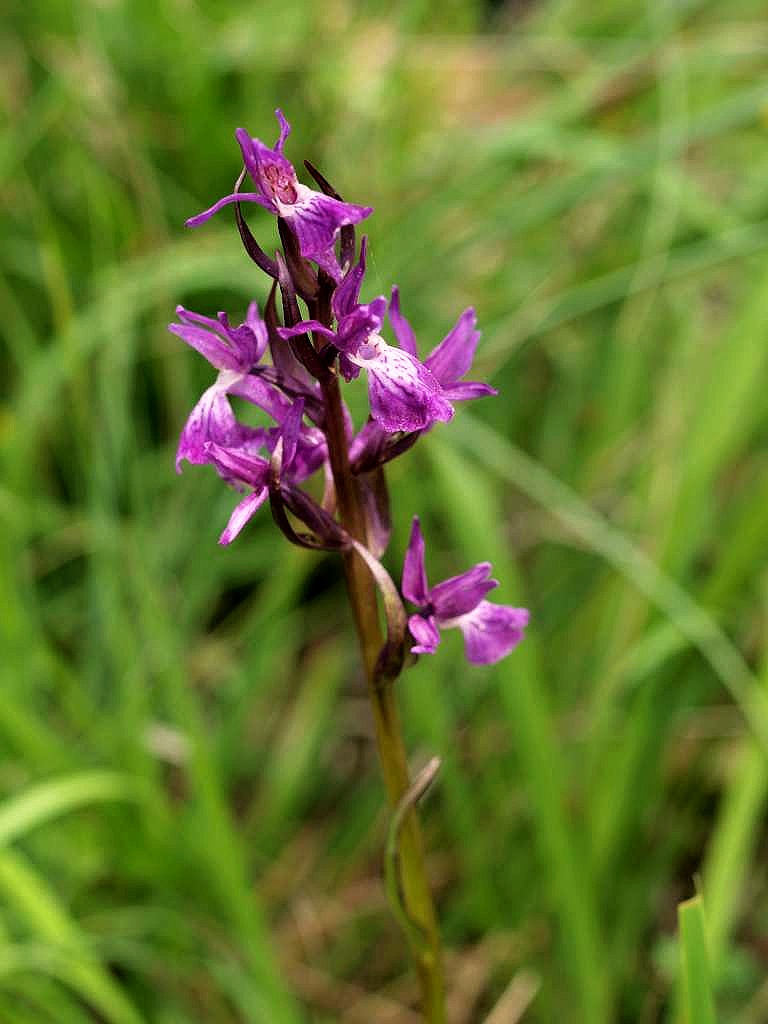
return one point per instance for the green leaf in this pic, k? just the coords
(698, 997)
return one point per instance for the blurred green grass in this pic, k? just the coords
(191, 825)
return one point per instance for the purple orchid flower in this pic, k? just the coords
(314, 217)
(304, 451)
(403, 393)
(451, 359)
(447, 363)
(233, 351)
(490, 631)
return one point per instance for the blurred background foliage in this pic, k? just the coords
(192, 817)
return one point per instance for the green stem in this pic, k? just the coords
(417, 897)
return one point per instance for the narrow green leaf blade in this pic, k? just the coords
(698, 997)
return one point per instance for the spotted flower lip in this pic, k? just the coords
(314, 217)
(233, 351)
(447, 363)
(451, 359)
(490, 631)
(404, 395)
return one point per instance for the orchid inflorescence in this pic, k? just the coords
(321, 267)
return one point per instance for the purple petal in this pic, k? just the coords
(406, 339)
(211, 419)
(289, 368)
(273, 175)
(414, 584)
(290, 431)
(187, 316)
(239, 463)
(460, 594)
(426, 634)
(285, 130)
(225, 347)
(235, 197)
(311, 453)
(209, 345)
(465, 390)
(453, 356)
(252, 316)
(261, 394)
(357, 326)
(328, 262)
(303, 327)
(349, 370)
(251, 162)
(244, 511)
(347, 294)
(248, 340)
(403, 394)
(491, 631)
(316, 218)
(369, 442)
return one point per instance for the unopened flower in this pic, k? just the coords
(490, 631)
(233, 351)
(403, 393)
(314, 217)
(451, 359)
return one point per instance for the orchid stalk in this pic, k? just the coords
(323, 335)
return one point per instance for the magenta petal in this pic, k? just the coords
(316, 219)
(208, 344)
(248, 340)
(347, 294)
(370, 440)
(291, 429)
(311, 452)
(263, 395)
(414, 585)
(349, 370)
(465, 390)
(239, 463)
(272, 174)
(403, 394)
(453, 356)
(328, 262)
(235, 197)
(251, 161)
(460, 594)
(187, 316)
(302, 328)
(491, 631)
(244, 511)
(426, 634)
(406, 339)
(210, 420)
(357, 326)
(285, 130)
(288, 367)
(225, 347)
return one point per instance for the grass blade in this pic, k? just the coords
(698, 998)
